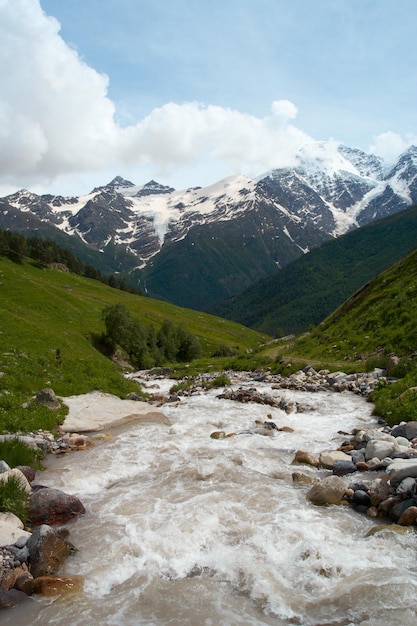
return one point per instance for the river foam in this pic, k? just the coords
(185, 529)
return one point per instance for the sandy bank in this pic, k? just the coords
(95, 411)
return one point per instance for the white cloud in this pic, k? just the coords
(56, 119)
(390, 145)
(54, 112)
(174, 135)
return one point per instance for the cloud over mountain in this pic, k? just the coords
(56, 117)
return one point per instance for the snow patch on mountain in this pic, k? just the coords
(332, 189)
(178, 206)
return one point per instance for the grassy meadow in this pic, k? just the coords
(49, 323)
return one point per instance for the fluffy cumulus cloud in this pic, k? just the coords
(56, 117)
(389, 145)
(54, 113)
(179, 134)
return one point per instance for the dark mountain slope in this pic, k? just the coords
(218, 259)
(311, 287)
(114, 258)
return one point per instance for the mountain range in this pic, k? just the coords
(201, 245)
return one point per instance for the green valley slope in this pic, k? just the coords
(377, 321)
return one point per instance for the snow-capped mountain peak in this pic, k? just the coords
(268, 221)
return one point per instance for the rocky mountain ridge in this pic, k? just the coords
(276, 217)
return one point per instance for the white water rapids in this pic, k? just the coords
(182, 529)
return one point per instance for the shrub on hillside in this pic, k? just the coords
(144, 346)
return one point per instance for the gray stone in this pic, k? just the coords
(360, 498)
(11, 598)
(379, 448)
(4, 467)
(341, 468)
(407, 487)
(357, 456)
(407, 430)
(48, 399)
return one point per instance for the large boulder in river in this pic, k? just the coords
(330, 490)
(329, 457)
(47, 551)
(53, 507)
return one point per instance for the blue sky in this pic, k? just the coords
(189, 91)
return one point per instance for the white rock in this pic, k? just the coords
(399, 469)
(401, 449)
(16, 473)
(11, 529)
(402, 441)
(379, 448)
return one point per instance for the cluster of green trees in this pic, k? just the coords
(44, 251)
(144, 346)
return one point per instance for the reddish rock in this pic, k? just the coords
(379, 491)
(78, 442)
(28, 472)
(362, 466)
(55, 585)
(386, 505)
(53, 507)
(305, 458)
(24, 582)
(47, 551)
(409, 516)
(7, 580)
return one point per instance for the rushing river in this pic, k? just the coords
(182, 529)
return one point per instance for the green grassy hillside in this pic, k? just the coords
(311, 287)
(48, 321)
(378, 320)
